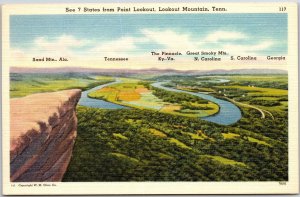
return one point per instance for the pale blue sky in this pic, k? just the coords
(256, 29)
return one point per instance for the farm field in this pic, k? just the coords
(133, 93)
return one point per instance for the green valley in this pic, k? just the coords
(159, 135)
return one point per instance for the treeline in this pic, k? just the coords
(177, 97)
(264, 84)
(188, 105)
(97, 83)
(267, 103)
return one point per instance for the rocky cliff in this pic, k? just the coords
(43, 131)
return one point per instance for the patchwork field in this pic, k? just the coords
(134, 94)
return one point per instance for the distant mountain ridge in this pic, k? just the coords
(146, 71)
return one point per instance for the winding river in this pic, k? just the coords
(228, 113)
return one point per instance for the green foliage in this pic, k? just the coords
(268, 103)
(267, 92)
(276, 128)
(176, 97)
(164, 147)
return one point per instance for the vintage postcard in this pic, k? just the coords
(141, 98)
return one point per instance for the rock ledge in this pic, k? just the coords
(42, 134)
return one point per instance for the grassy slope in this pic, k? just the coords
(30, 84)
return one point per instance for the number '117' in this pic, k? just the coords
(282, 9)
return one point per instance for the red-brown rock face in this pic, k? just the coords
(43, 131)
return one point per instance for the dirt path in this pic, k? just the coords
(262, 111)
(269, 113)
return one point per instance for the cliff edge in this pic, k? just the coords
(42, 134)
